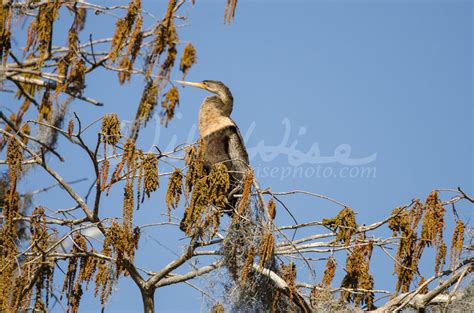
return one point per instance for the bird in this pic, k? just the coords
(223, 142)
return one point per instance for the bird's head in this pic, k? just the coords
(216, 87)
(213, 86)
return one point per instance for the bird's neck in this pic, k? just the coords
(212, 118)
(227, 99)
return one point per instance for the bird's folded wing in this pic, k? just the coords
(237, 152)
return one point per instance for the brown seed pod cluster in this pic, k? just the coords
(169, 103)
(175, 189)
(128, 204)
(344, 224)
(14, 159)
(289, 276)
(124, 28)
(111, 129)
(5, 138)
(9, 249)
(456, 243)
(77, 76)
(104, 174)
(39, 233)
(134, 45)
(218, 308)
(62, 68)
(147, 103)
(105, 278)
(44, 282)
(433, 220)
(134, 167)
(188, 59)
(194, 159)
(70, 127)
(358, 276)
(73, 41)
(80, 269)
(271, 207)
(46, 107)
(400, 222)
(128, 158)
(229, 12)
(31, 36)
(150, 173)
(244, 202)
(266, 249)
(11, 210)
(248, 265)
(5, 33)
(138, 166)
(168, 63)
(196, 208)
(121, 242)
(405, 223)
(44, 26)
(25, 130)
(218, 185)
(164, 36)
(432, 227)
(288, 273)
(329, 272)
(423, 290)
(209, 195)
(71, 60)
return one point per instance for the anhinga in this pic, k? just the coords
(222, 140)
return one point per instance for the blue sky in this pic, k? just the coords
(391, 80)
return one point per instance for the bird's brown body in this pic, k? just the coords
(225, 146)
(222, 140)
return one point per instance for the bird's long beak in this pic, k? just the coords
(198, 85)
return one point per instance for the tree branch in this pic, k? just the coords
(283, 286)
(190, 275)
(418, 301)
